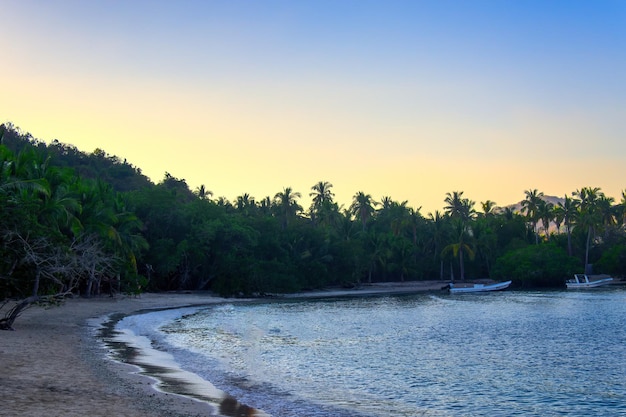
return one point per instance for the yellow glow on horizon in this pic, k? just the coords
(267, 140)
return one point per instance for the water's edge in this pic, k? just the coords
(125, 347)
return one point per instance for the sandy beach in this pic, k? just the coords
(52, 365)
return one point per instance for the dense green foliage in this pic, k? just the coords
(87, 223)
(537, 265)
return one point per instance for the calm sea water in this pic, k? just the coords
(509, 353)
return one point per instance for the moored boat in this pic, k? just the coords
(498, 286)
(588, 281)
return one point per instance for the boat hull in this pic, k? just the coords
(499, 286)
(582, 281)
(592, 284)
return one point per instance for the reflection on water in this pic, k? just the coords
(511, 353)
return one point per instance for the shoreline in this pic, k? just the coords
(55, 365)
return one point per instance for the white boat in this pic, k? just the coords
(498, 286)
(588, 281)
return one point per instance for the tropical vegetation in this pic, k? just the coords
(78, 223)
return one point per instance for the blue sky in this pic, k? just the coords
(407, 99)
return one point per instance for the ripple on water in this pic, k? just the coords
(511, 353)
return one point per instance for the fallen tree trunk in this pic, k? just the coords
(6, 323)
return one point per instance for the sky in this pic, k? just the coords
(403, 99)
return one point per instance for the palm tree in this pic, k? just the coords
(567, 210)
(12, 179)
(245, 204)
(395, 215)
(621, 210)
(545, 212)
(362, 207)
(321, 194)
(438, 236)
(487, 207)
(329, 214)
(60, 207)
(588, 215)
(287, 205)
(606, 211)
(530, 207)
(484, 241)
(460, 246)
(203, 193)
(378, 252)
(461, 210)
(386, 202)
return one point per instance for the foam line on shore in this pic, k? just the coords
(125, 346)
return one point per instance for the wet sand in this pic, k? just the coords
(53, 365)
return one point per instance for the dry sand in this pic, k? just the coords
(52, 365)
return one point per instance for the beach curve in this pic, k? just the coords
(53, 365)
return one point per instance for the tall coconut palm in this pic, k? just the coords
(567, 210)
(203, 193)
(362, 207)
(621, 210)
(545, 212)
(321, 193)
(588, 216)
(460, 246)
(329, 214)
(245, 204)
(606, 211)
(530, 207)
(286, 202)
(395, 215)
(438, 222)
(386, 202)
(461, 210)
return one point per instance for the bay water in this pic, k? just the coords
(508, 353)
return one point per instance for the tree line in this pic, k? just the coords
(76, 223)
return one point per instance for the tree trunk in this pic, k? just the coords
(6, 323)
(587, 249)
(451, 272)
(36, 284)
(461, 267)
(569, 240)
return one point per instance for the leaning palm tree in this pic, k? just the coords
(362, 207)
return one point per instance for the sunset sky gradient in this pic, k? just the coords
(407, 99)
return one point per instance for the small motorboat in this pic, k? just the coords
(498, 286)
(587, 281)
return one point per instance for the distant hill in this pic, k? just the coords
(122, 175)
(517, 207)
